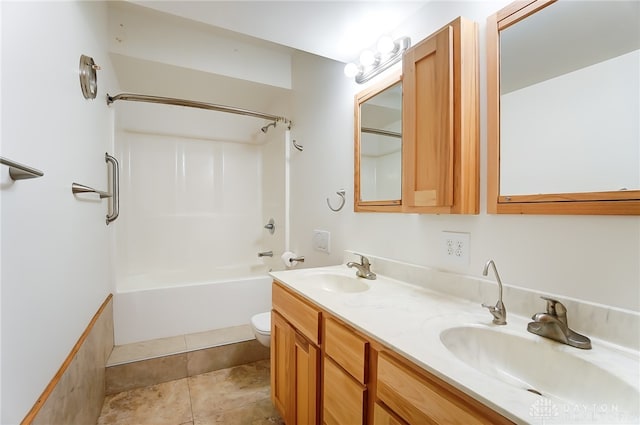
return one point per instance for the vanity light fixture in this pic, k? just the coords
(389, 52)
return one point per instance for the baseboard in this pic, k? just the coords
(142, 373)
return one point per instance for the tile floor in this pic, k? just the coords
(238, 395)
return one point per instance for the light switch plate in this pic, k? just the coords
(322, 240)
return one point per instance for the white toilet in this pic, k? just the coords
(261, 325)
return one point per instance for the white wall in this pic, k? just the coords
(55, 260)
(147, 34)
(322, 109)
(556, 124)
(593, 258)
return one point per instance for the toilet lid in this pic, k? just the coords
(262, 322)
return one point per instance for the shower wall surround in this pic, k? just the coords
(193, 197)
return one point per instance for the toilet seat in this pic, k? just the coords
(262, 323)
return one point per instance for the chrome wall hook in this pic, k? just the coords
(270, 226)
(296, 145)
(340, 193)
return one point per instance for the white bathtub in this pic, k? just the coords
(151, 309)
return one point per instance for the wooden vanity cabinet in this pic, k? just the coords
(324, 371)
(295, 357)
(440, 126)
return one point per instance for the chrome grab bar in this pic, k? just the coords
(19, 171)
(80, 188)
(114, 202)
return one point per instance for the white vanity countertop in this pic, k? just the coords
(409, 319)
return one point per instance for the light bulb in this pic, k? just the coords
(367, 58)
(386, 45)
(351, 70)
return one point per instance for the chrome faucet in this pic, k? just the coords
(498, 311)
(554, 325)
(363, 268)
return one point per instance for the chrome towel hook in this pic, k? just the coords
(296, 145)
(340, 193)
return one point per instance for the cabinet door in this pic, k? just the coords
(343, 400)
(281, 374)
(428, 127)
(306, 365)
(441, 122)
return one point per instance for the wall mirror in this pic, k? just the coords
(378, 146)
(563, 105)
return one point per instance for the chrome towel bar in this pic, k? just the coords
(19, 171)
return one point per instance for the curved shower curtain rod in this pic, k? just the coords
(194, 104)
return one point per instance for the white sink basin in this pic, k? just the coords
(540, 367)
(336, 282)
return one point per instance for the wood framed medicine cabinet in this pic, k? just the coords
(440, 126)
(578, 98)
(378, 146)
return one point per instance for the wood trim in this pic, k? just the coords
(31, 415)
(517, 11)
(626, 195)
(467, 148)
(594, 203)
(571, 208)
(493, 114)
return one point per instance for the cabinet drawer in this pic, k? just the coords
(419, 400)
(383, 417)
(343, 399)
(346, 348)
(302, 315)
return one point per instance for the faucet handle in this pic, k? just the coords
(551, 304)
(363, 260)
(555, 307)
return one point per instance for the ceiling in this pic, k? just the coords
(338, 30)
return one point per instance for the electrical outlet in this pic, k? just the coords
(321, 240)
(455, 249)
